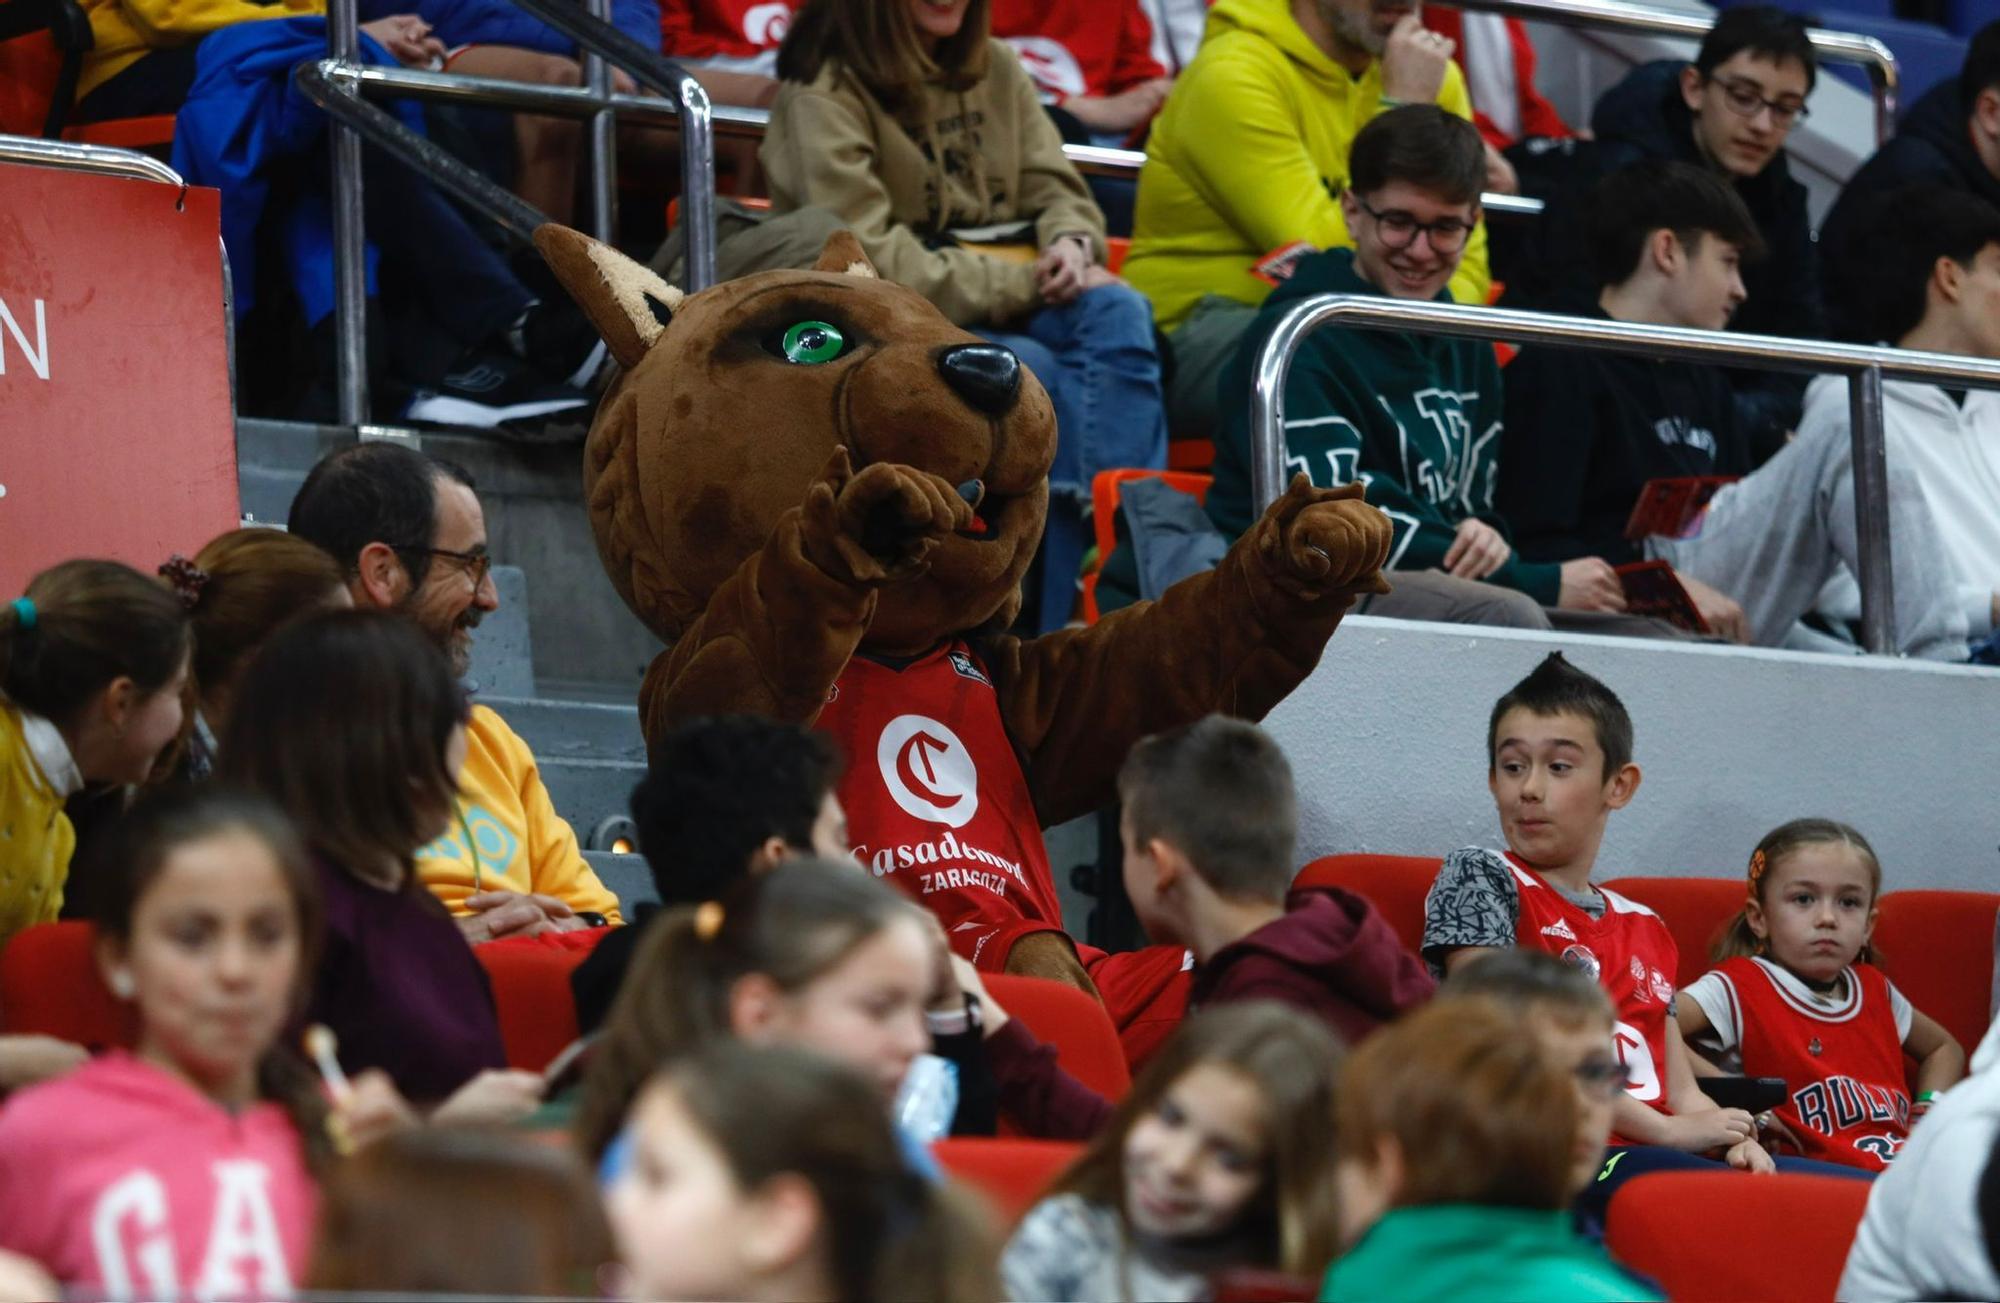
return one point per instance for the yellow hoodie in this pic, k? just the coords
(508, 836)
(1249, 155)
(36, 839)
(123, 30)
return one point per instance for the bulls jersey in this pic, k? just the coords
(936, 800)
(1630, 953)
(1842, 1057)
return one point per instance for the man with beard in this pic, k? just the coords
(1247, 160)
(409, 532)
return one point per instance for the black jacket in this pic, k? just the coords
(1933, 146)
(1585, 431)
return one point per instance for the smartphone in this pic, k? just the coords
(1751, 1094)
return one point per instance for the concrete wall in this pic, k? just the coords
(1388, 741)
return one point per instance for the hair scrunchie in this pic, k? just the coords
(24, 612)
(187, 578)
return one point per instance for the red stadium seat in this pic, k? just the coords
(1011, 1174)
(1395, 884)
(1710, 1235)
(531, 989)
(49, 984)
(1117, 246)
(1106, 491)
(1695, 910)
(35, 70)
(1937, 946)
(1086, 1042)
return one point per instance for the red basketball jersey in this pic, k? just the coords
(936, 800)
(1844, 1064)
(1630, 953)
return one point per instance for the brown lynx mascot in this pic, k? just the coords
(822, 495)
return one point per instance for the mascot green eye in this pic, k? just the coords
(809, 343)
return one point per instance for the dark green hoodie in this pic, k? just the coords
(1414, 417)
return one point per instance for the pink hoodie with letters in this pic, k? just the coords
(123, 1178)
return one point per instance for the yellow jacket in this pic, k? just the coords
(508, 836)
(1249, 154)
(36, 839)
(122, 30)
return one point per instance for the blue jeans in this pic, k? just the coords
(1095, 356)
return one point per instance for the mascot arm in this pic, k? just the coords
(1236, 639)
(778, 632)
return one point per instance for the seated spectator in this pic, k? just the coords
(462, 1210)
(730, 46)
(93, 663)
(904, 119)
(1774, 539)
(1729, 111)
(241, 588)
(1411, 416)
(1247, 161)
(766, 1173)
(1497, 58)
(1584, 430)
(1950, 137)
(351, 723)
(1209, 827)
(409, 534)
(723, 799)
(812, 954)
(1456, 1143)
(1219, 1158)
(186, 1166)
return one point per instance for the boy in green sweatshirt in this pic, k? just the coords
(1415, 417)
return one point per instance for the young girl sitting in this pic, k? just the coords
(184, 1168)
(1220, 1158)
(812, 954)
(1456, 1132)
(771, 1173)
(1797, 997)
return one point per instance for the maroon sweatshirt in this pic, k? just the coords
(1330, 954)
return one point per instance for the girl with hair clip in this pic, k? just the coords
(1797, 995)
(1219, 1159)
(927, 138)
(185, 1167)
(1455, 1135)
(93, 659)
(811, 954)
(762, 1172)
(351, 722)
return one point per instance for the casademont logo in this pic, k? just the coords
(928, 771)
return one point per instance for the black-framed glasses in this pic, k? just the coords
(1400, 229)
(477, 564)
(1744, 98)
(1604, 1078)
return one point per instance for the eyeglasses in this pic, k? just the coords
(1604, 1078)
(1745, 98)
(477, 564)
(1400, 229)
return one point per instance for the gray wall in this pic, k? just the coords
(1388, 741)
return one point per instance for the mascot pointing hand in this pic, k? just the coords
(822, 495)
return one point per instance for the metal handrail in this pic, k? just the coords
(1865, 368)
(107, 161)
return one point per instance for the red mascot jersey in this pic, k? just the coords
(1844, 1063)
(936, 800)
(1630, 953)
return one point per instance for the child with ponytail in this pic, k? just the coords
(185, 1167)
(1797, 996)
(766, 1172)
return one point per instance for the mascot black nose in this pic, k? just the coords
(986, 375)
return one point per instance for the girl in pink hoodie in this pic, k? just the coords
(184, 1167)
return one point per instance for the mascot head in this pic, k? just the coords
(734, 399)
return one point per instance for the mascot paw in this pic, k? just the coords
(1052, 957)
(1326, 541)
(883, 522)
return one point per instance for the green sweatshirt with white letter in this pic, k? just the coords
(1414, 417)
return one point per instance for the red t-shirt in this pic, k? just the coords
(936, 800)
(1094, 48)
(1632, 955)
(698, 30)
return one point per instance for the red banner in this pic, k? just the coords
(116, 437)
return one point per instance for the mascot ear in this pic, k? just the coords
(843, 254)
(628, 303)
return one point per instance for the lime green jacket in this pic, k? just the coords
(1249, 155)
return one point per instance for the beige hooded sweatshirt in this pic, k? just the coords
(951, 161)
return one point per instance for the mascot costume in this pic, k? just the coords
(822, 495)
